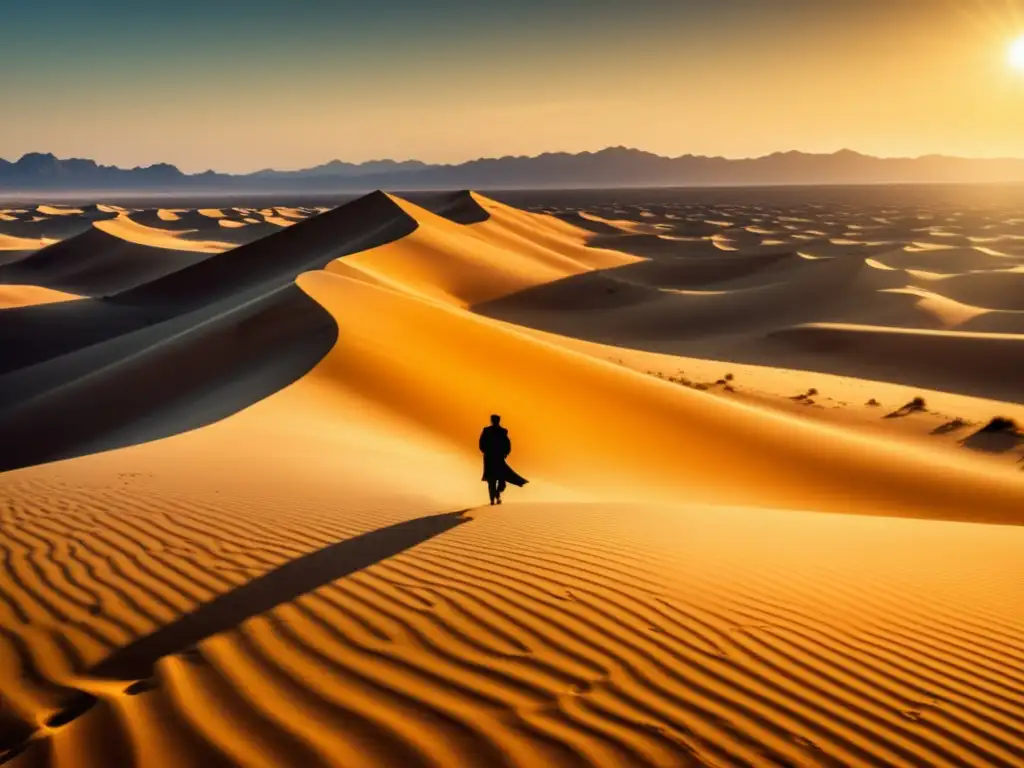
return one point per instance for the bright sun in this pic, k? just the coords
(1017, 54)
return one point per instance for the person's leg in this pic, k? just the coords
(492, 490)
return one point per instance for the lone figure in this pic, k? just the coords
(495, 446)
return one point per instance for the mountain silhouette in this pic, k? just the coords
(614, 166)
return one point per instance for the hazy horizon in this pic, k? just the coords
(401, 159)
(239, 87)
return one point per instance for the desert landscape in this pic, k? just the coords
(773, 437)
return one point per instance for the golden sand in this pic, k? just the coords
(702, 572)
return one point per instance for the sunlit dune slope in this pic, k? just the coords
(590, 424)
(130, 230)
(29, 295)
(503, 252)
(14, 243)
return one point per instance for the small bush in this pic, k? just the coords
(1000, 424)
(729, 377)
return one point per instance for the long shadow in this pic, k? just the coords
(281, 585)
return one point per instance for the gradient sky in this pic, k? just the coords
(238, 86)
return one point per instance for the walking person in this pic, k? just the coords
(496, 446)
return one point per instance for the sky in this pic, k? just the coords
(239, 86)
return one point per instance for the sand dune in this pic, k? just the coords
(100, 262)
(130, 230)
(463, 265)
(242, 526)
(987, 363)
(29, 295)
(54, 210)
(16, 248)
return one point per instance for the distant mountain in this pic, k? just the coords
(341, 168)
(45, 171)
(615, 166)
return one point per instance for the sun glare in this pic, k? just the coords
(1017, 54)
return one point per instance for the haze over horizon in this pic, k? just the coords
(240, 87)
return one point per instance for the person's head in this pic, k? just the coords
(495, 419)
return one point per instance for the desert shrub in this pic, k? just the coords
(1000, 424)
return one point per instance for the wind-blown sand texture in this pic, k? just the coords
(241, 518)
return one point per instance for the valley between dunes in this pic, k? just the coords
(240, 506)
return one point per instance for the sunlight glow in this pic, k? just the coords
(1017, 54)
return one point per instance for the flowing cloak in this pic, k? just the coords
(496, 446)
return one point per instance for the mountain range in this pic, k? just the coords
(614, 166)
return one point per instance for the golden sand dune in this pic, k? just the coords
(126, 228)
(13, 243)
(241, 522)
(29, 295)
(466, 264)
(200, 227)
(54, 210)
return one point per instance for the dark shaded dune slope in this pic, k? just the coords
(793, 291)
(982, 364)
(96, 264)
(157, 381)
(278, 258)
(597, 227)
(10, 257)
(460, 207)
(701, 271)
(183, 351)
(233, 276)
(54, 227)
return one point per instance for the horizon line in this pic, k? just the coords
(544, 153)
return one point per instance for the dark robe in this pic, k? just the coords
(495, 446)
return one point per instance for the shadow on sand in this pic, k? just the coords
(998, 436)
(281, 585)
